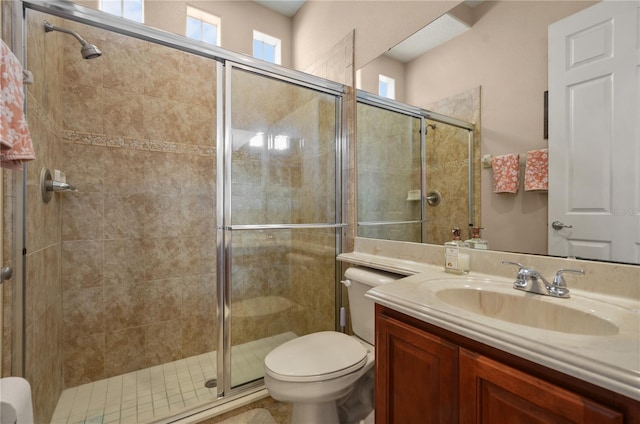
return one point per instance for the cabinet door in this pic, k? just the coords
(491, 392)
(416, 377)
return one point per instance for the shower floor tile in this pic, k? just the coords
(162, 391)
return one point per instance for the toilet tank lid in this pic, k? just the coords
(371, 277)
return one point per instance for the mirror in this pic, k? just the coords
(504, 52)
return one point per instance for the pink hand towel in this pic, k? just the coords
(505, 173)
(536, 174)
(15, 139)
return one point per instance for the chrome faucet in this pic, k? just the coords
(530, 280)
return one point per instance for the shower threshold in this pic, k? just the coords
(162, 391)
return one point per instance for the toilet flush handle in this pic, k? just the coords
(343, 311)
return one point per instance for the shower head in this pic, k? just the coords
(88, 51)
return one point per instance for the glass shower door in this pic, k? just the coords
(390, 173)
(281, 215)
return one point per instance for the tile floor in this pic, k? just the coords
(158, 392)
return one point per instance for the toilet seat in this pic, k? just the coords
(316, 357)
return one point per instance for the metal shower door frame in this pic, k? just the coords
(225, 227)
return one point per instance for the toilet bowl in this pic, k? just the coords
(319, 372)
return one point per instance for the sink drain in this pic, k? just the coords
(210, 384)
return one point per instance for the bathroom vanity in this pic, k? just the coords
(425, 374)
(473, 349)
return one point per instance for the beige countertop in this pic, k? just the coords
(610, 359)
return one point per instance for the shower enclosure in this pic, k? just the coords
(415, 172)
(204, 228)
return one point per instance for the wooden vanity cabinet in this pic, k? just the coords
(425, 374)
(417, 373)
(494, 393)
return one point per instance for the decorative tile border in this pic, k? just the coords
(136, 144)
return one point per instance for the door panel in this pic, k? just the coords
(281, 215)
(594, 153)
(416, 378)
(491, 392)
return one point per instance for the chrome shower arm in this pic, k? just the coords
(48, 27)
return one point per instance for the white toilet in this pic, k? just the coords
(319, 371)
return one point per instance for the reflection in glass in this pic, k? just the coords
(282, 288)
(283, 173)
(389, 170)
(283, 156)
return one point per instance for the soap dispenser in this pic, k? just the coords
(475, 242)
(457, 258)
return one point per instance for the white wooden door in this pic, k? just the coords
(594, 133)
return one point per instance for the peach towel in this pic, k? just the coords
(505, 173)
(536, 174)
(15, 139)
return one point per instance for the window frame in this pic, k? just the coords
(101, 7)
(390, 84)
(204, 18)
(269, 40)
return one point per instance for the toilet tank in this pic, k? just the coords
(359, 281)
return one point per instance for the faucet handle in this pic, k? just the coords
(518, 264)
(559, 286)
(521, 279)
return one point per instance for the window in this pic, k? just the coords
(203, 26)
(386, 87)
(130, 9)
(266, 47)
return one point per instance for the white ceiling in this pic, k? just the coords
(437, 32)
(440, 31)
(284, 7)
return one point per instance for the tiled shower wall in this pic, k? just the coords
(43, 315)
(138, 255)
(447, 167)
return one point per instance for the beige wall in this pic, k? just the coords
(505, 53)
(367, 78)
(238, 20)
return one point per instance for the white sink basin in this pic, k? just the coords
(531, 311)
(498, 300)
